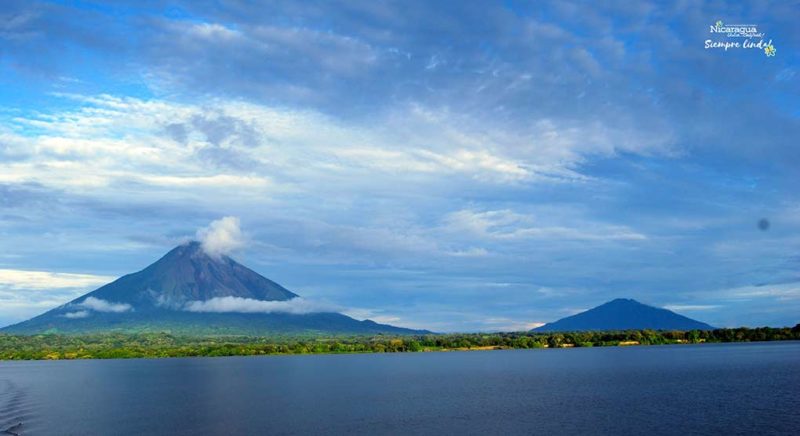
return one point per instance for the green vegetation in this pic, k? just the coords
(119, 345)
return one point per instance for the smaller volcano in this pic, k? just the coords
(624, 314)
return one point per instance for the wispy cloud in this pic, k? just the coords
(509, 325)
(778, 291)
(43, 280)
(181, 145)
(691, 307)
(295, 306)
(509, 225)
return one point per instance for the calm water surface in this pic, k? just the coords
(686, 389)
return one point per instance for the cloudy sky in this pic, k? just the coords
(447, 165)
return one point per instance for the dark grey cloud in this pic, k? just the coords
(227, 139)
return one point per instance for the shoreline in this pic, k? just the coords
(443, 350)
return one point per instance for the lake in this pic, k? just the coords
(680, 389)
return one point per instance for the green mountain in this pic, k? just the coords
(624, 314)
(191, 292)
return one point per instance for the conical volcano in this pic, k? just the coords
(188, 273)
(190, 291)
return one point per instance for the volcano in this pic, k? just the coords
(189, 291)
(624, 314)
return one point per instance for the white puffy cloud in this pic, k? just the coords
(100, 305)
(77, 315)
(221, 236)
(248, 305)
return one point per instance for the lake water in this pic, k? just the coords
(714, 388)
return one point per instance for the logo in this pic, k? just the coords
(739, 36)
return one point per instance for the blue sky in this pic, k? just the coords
(447, 165)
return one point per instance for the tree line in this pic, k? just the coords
(134, 345)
